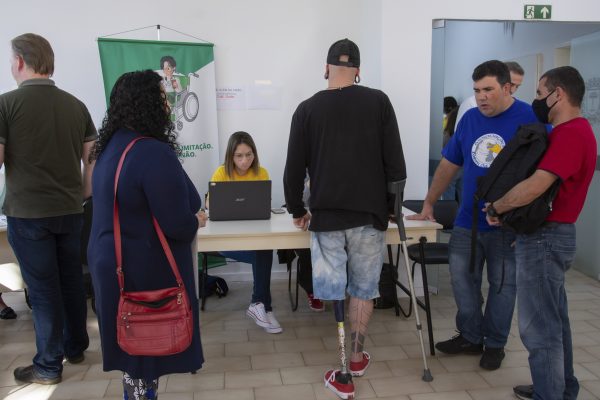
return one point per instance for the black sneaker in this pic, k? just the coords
(492, 358)
(8, 313)
(457, 345)
(523, 391)
(76, 359)
(30, 375)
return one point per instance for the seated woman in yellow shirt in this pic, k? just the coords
(241, 164)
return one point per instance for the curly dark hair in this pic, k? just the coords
(137, 102)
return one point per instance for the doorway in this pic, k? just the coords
(459, 46)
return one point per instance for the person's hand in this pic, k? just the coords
(202, 217)
(302, 222)
(493, 221)
(426, 214)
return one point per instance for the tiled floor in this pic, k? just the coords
(245, 363)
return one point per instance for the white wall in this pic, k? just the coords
(436, 103)
(282, 41)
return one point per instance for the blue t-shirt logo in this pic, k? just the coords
(486, 148)
(475, 145)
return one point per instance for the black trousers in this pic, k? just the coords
(304, 266)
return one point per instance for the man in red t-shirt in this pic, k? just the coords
(544, 256)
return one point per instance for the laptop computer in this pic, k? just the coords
(239, 200)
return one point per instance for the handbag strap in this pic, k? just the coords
(117, 228)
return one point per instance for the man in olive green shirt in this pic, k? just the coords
(45, 133)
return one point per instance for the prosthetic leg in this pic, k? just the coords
(397, 189)
(340, 381)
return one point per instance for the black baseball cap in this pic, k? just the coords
(344, 47)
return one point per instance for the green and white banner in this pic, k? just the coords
(188, 72)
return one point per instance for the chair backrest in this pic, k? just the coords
(444, 211)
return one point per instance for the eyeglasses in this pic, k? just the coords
(241, 156)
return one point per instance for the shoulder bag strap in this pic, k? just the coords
(117, 228)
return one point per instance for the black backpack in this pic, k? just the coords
(387, 287)
(516, 162)
(215, 285)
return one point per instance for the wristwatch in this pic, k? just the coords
(491, 211)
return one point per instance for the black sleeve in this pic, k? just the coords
(393, 156)
(295, 166)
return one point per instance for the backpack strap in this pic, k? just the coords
(483, 187)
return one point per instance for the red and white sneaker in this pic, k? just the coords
(359, 368)
(315, 304)
(343, 390)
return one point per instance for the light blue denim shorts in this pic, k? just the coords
(361, 249)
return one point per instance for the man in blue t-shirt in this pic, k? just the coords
(479, 137)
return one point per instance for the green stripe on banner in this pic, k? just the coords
(118, 56)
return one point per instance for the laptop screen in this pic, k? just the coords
(239, 200)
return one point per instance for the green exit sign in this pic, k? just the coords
(537, 11)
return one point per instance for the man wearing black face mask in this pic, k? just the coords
(544, 256)
(541, 107)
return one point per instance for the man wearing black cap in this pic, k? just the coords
(347, 138)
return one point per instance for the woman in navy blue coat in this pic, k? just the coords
(152, 182)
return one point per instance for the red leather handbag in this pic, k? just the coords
(153, 322)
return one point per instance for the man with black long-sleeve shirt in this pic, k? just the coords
(347, 138)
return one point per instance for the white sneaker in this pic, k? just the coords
(274, 326)
(265, 320)
(257, 312)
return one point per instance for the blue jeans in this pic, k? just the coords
(261, 261)
(542, 260)
(49, 254)
(495, 249)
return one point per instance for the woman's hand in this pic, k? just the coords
(202, 217)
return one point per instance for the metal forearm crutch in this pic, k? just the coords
(397, 189)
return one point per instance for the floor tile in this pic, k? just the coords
(301, 391)
(224, 394)
(462, 395)
(249, 348)
(455, 381)
(252, 379)
(243, 362)
(276, 360)
(312, 374)
(299, 345)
